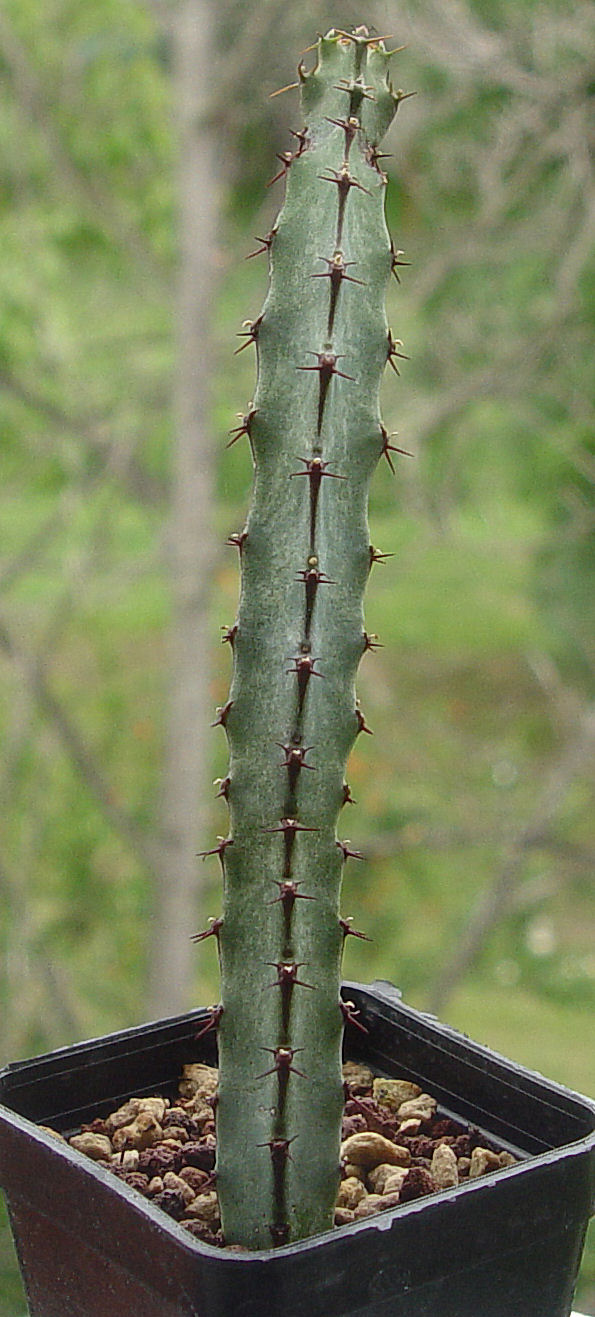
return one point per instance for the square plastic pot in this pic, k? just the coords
(507, 1245)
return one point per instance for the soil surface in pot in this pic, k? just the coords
(397, 1146)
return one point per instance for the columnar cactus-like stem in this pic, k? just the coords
(315, 432)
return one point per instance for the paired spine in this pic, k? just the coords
(314, 428)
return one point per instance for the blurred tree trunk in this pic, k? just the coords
(191, 537)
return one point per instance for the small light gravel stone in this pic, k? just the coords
(482, 1161)
(394, 1183)
(157, 1106)
(205, 1207)
(142, 1133)
(369, 1149)
(368, 1206)
(175, 1132)
(350, 1193)
(173, 1181)
(198, 1081)
(198, 1110)
(194, 1177)
(95, 1146)
(418, 1108)
(359, 1078)
(343, 1216)
(410, 1126)
(392, 1093)
(355, 1172)
(376, 1203)
(123, 1116)
(379, 1175)
(127, 1160)
(54, 1133)
(384, 1175)
(443, 1167)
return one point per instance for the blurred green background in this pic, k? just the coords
(475, 795)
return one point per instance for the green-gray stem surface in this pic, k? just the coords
(292, 715)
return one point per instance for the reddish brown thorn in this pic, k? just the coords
(355, 86)
(347, 852)
(361, 37)
(388, 448)
(344, 180)
(392, 351)
(288, 894)
(395, 262)
(304, 668)
(229, 634)
(294, 756)
(291, 86)
(244, 427)
(400, 96)
(219, 850)
(350, 1015)
(283, 1062)
(224, 784)
(222, 714)
(373, 155)
(211, 931)
(250, 334)
(377, 556)
(350, 127)
(290, 826)
(337, 270)
(286, 158)
(327, 366)
(279, 1150)
(371, 642)
(311, 575)
(287, 974)
(348, 931)
(301, 137)
(237, 539)
(361, 723)
(212, 1022)
(347, 796)
(266, 245)
(294, 762)
(314, 466)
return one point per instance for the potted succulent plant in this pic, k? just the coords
(506, 1244)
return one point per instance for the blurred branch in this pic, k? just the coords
(240, 59)
(62, 1017)
(78, 753)
(31, 552)
(123, 464)
(454, 36)
(96, 202)
(496, 899)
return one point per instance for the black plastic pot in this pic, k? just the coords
(507, 1245)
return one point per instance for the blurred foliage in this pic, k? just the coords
(477, 778)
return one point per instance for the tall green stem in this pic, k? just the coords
(315, 432)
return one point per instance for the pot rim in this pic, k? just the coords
(381, 993)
